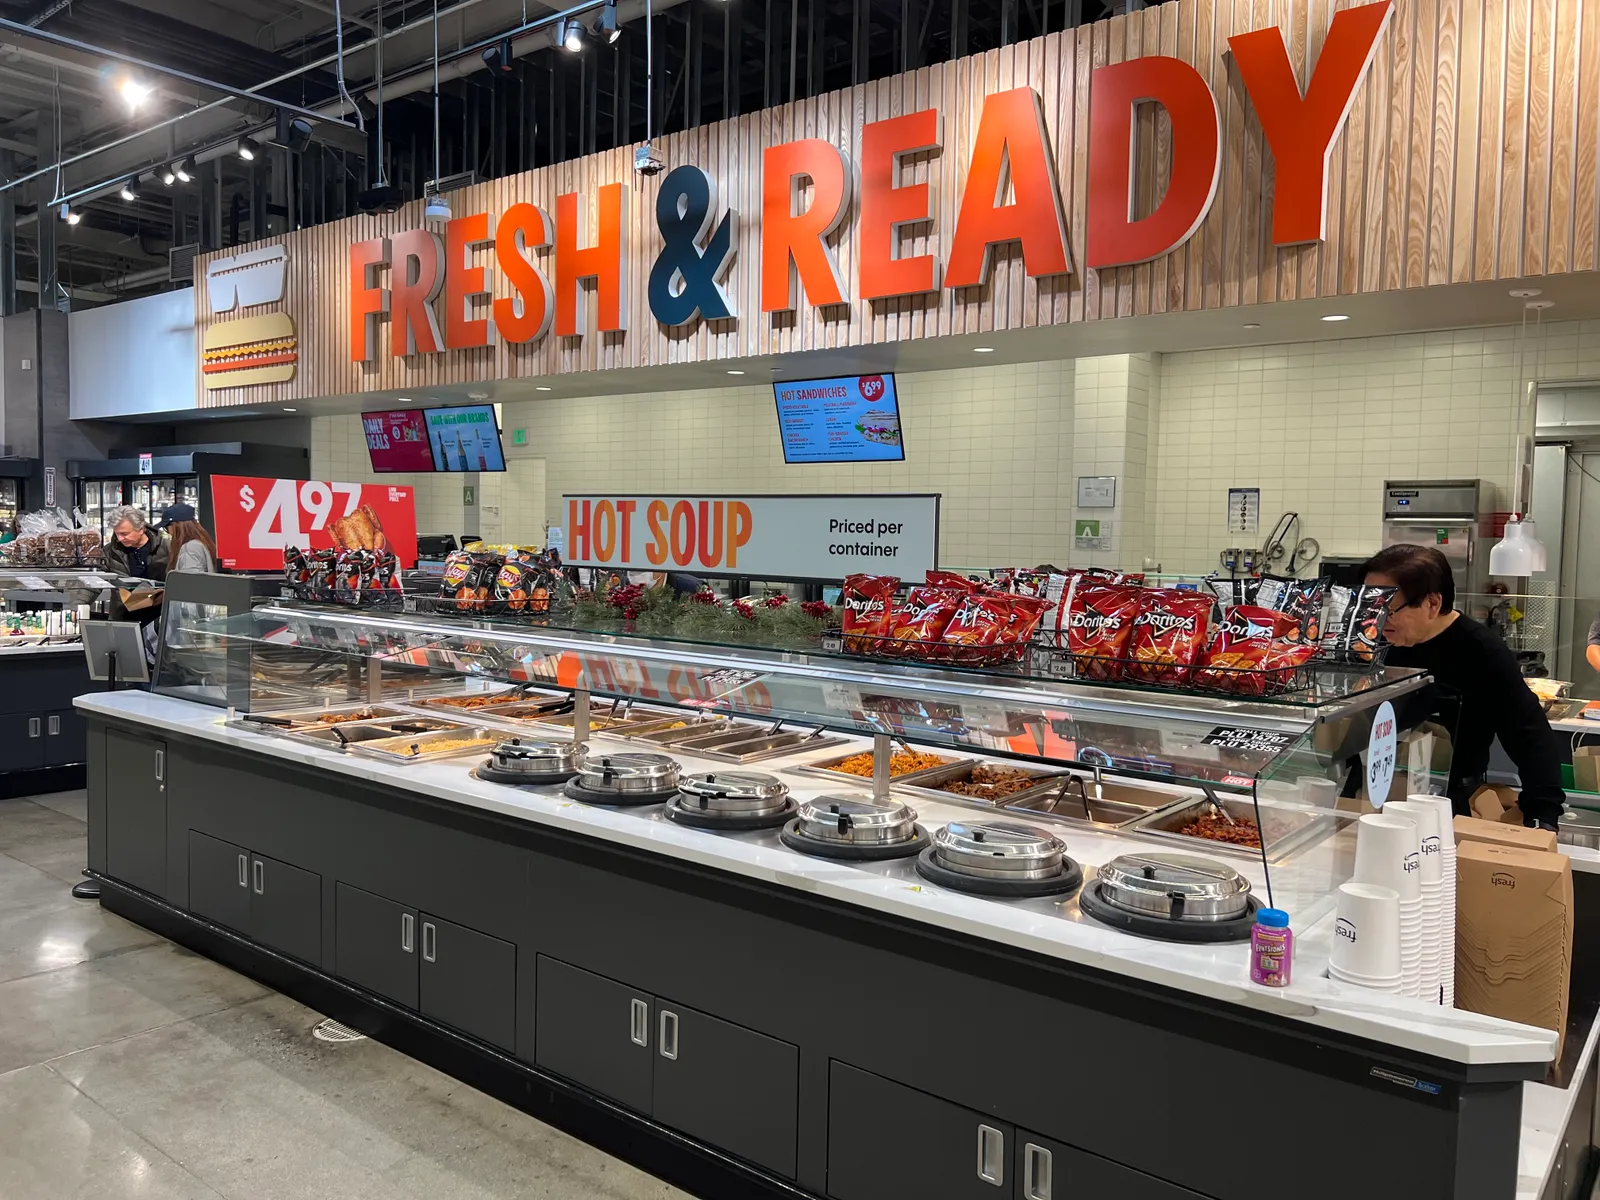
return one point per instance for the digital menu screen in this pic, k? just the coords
(854, 418)
(397, 441)
(465, 439)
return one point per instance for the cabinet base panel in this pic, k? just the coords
(668, 1155)
(41, 781)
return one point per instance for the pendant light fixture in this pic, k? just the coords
(1520, 553)
(381, 197)
(438, 208)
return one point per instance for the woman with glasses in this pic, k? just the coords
(1475, 670)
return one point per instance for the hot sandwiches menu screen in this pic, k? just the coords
(855, 418)
(397, 441)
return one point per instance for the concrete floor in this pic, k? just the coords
(132, 1068)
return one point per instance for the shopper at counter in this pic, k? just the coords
(192, 548)
(1474, 667)
(137, 551)
(1592, 653)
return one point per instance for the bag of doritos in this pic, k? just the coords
(1098, 624)
(1169, 635)
(867, 602)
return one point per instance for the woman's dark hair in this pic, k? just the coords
(1418, 571)
(192, 531)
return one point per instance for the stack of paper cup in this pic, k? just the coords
(1432, 872)
(1366, 938)
(1389, 855)
(1447, 901)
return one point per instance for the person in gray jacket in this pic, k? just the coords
(192, 547)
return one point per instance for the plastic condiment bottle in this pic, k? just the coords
(1271, 948)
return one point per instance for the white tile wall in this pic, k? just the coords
(1319, 426)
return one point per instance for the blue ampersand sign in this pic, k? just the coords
(686, 281)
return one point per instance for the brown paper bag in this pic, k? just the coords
(1586, 767)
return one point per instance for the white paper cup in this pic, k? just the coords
(1366, 931)
(1431, 852)
(1389, 854)
(1318, 791)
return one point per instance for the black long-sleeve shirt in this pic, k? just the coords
(1475, 669)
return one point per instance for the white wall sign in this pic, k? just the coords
(147, 464)
(1381, 745)
(1097, 491)
(763, 537)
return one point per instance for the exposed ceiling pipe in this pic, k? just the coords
(333, 11)
(158, 69)
(313, 65)
(464, 61)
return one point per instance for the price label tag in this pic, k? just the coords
(832, 643)
(1229, 737)
(1050, 663)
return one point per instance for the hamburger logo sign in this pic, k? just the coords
(248, 351)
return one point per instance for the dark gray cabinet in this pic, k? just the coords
(136, 808)
(594, 1031)
(375, 943)
(286, 908)
(719, 1082)
(219, 881)
(21, 742)
(885, 1139)
(66, 738)
(468, 980)
(727, 1085)
(1050, 1170)
(268, 901)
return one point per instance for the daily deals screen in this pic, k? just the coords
(855, 418)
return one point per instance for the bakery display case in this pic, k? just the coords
(1268, 782)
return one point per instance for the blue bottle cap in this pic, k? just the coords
(1272, 918)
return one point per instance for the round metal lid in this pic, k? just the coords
(999, 850)
(629, 773)
(1180, 887)
(857, 819)
(535, 758)
(733, 793)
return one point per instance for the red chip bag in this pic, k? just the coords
(916, 625)
(1099, 622)
(1169, 635)
(1026, 614)
(976, 627)
(950, 581)
(1242, 645)
(867, 601)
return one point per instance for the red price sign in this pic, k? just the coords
(872, 388)
(257, 518)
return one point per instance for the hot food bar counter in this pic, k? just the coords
(804, 925)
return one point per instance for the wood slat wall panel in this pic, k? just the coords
(1471, 153)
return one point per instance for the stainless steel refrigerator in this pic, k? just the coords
(1445, 514)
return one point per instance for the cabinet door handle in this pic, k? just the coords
(991, 1155)
(407, 929)
(430, 942)
(1038, 1166)
(639, 1023)
(244, 870)
(260, 869)
(54, 726)
(667, 1039)
(33, 727)
(161, 766)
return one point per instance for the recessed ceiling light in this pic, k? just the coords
(541, 388)
(983, 349)
(1337, 317)
(1252, 325)
(288, 410)
(406, 400)
(735, 372)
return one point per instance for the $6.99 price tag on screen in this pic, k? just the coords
(257, 518)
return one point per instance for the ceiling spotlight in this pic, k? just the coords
(247, 149)
(605, 24)
(569, 34)
(166, 174)
(1337, 317)
(498, 57)
(134, 93)
(67, 215)
(130, 190)
(291, 132)
(187, 169)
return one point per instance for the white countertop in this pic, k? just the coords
(1053, 930)
(8, 651)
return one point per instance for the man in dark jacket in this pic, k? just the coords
(138, 551)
